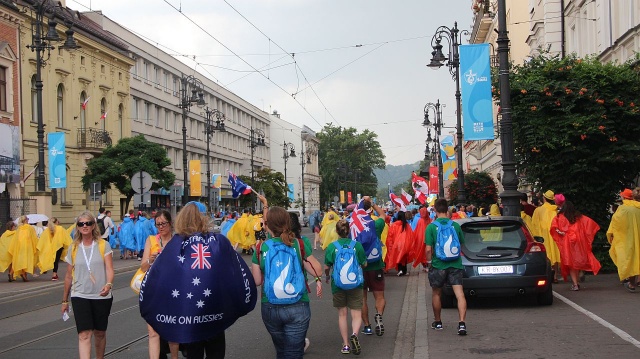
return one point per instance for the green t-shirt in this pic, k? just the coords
(430, 236)
(379, 229)
(263, 250)
(330, 256)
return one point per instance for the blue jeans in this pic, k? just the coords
(288, 326)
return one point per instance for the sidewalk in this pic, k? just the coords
(43, 282)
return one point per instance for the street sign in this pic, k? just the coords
(141, 182)
(145, 201)
(95, 191)
(175, 192)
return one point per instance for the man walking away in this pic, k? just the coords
(445, 270)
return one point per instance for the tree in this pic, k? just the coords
(271, 183)
(479, 186)
(117, 164)
(576, 128)
(347, 160)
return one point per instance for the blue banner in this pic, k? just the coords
(57, 160)
(290, 192)
(477, 107)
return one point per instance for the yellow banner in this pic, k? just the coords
(195, 185)
(342, 197)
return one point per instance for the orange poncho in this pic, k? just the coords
(417, 251)
(575, 243)
(398, 245)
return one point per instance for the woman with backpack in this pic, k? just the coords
(278, 265)
(347, 258)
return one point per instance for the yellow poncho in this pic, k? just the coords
(326, 219)
(624, 236)
(48, 246)
(5, 257)
(328, 232)
(527, 220)
(23, 250)
(239, 232)
(541, 225)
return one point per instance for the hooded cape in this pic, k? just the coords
(328, 232)
(575, 244)
(126, 235)
(624, 236)
(541, 226)
(418, 246)
(23, 250)
(399, 245)
(48, 245)
(5, 242)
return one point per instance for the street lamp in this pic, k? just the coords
(437, 126)
(453, 62)
(285, 155)
(311, 150)
(256, 138)
(41, 43)
(196, 87)
(510, 196)
(209, 129)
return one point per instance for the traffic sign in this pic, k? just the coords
(145, 201)
(141, 182)
(95, 191)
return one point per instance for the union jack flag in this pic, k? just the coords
(201, 254)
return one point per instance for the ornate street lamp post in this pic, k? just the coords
(285, 155)
(256, 138)
(209, 130)
(41, 44)
(510, 196)
(435, 153)
(311, 150)
(453, 62)
(196, 87)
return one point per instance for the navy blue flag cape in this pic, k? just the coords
(362, 228)
(197, 287)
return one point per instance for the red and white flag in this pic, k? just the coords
(84, 103)
(397, 201)
(406, 198)
(420, 187)
(104, 115)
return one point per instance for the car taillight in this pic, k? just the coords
(542, 283)
(535, 247)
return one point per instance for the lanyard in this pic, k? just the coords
(88, 260)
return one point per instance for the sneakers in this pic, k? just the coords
(575, 287)
(355, 344)
(54, 277)
(346, 350)
(367, 330)
(306, 344)
(462, 328)
(436, 325)
(400, 273)
(139, 259)
(379, 325)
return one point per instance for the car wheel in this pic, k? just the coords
(546, 297)
(448, 301)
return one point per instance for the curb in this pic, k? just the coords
(421, 343)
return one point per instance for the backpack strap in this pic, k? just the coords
(303, 257)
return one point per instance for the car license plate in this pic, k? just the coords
(495, 269)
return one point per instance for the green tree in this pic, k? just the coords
(576, 128)
(117, 164)
(479, 186)
(271, 183)
(347, 160)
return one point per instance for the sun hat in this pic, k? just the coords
(549, 195)
(559, 199)
(626, 194)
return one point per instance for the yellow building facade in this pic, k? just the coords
(85, 95)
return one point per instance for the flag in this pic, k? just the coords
(197, 287)
(406, 198)
(238, 187)
(361, 222)
(104, 115)
(420, 187)
(397, 201)
(84, 103)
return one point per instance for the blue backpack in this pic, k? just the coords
(447, 242)
(284, 278)
(347, 272)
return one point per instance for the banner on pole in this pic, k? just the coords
(195, 184)
(57, 160)
(341, 196)
(349, 199)
(477, 107)
(433, 180)
(216, 180)
(448, 153)
(290, 191)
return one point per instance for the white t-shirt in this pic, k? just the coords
(82, 286)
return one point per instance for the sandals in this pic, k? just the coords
(629, 287)
(11, 279)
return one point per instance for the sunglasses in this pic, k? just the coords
(85, 224)
(161, 224)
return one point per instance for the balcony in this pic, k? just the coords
(93, 139)
(482, 21)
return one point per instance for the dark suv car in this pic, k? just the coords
(502, 258)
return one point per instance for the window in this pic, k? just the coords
(119, 75)
(166, 120)
(135, 112)
(145, 68)
(176, 123)
(166, 81)
(156, 78)
(3, 88)
(60, 106)
(134, 70)
(82, 60)
(34, 100)
(83, 106)
(102, 68)
(147, 112)
(158, 116)
(103, 112)
(120, 119)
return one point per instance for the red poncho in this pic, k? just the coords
(417, 250)
(575, 243)
(398, 245)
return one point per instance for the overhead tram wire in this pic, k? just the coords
(293, 95)
(243, 60)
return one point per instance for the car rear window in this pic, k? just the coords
(479, 236)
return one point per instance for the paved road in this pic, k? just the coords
(600, 321)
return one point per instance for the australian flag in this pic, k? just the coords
(362, 228)
(197, 287)
(238, 187)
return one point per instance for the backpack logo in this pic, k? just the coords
(374, 255)
(347, 273)
(281, 290)
(447, 242)
(347, 277)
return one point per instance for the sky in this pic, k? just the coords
(352, 63)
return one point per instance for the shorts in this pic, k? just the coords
(351, 298)
(374, 280)
(316, 229)
(439, 277)
(91, 314)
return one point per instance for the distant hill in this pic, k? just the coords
(395, 174)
